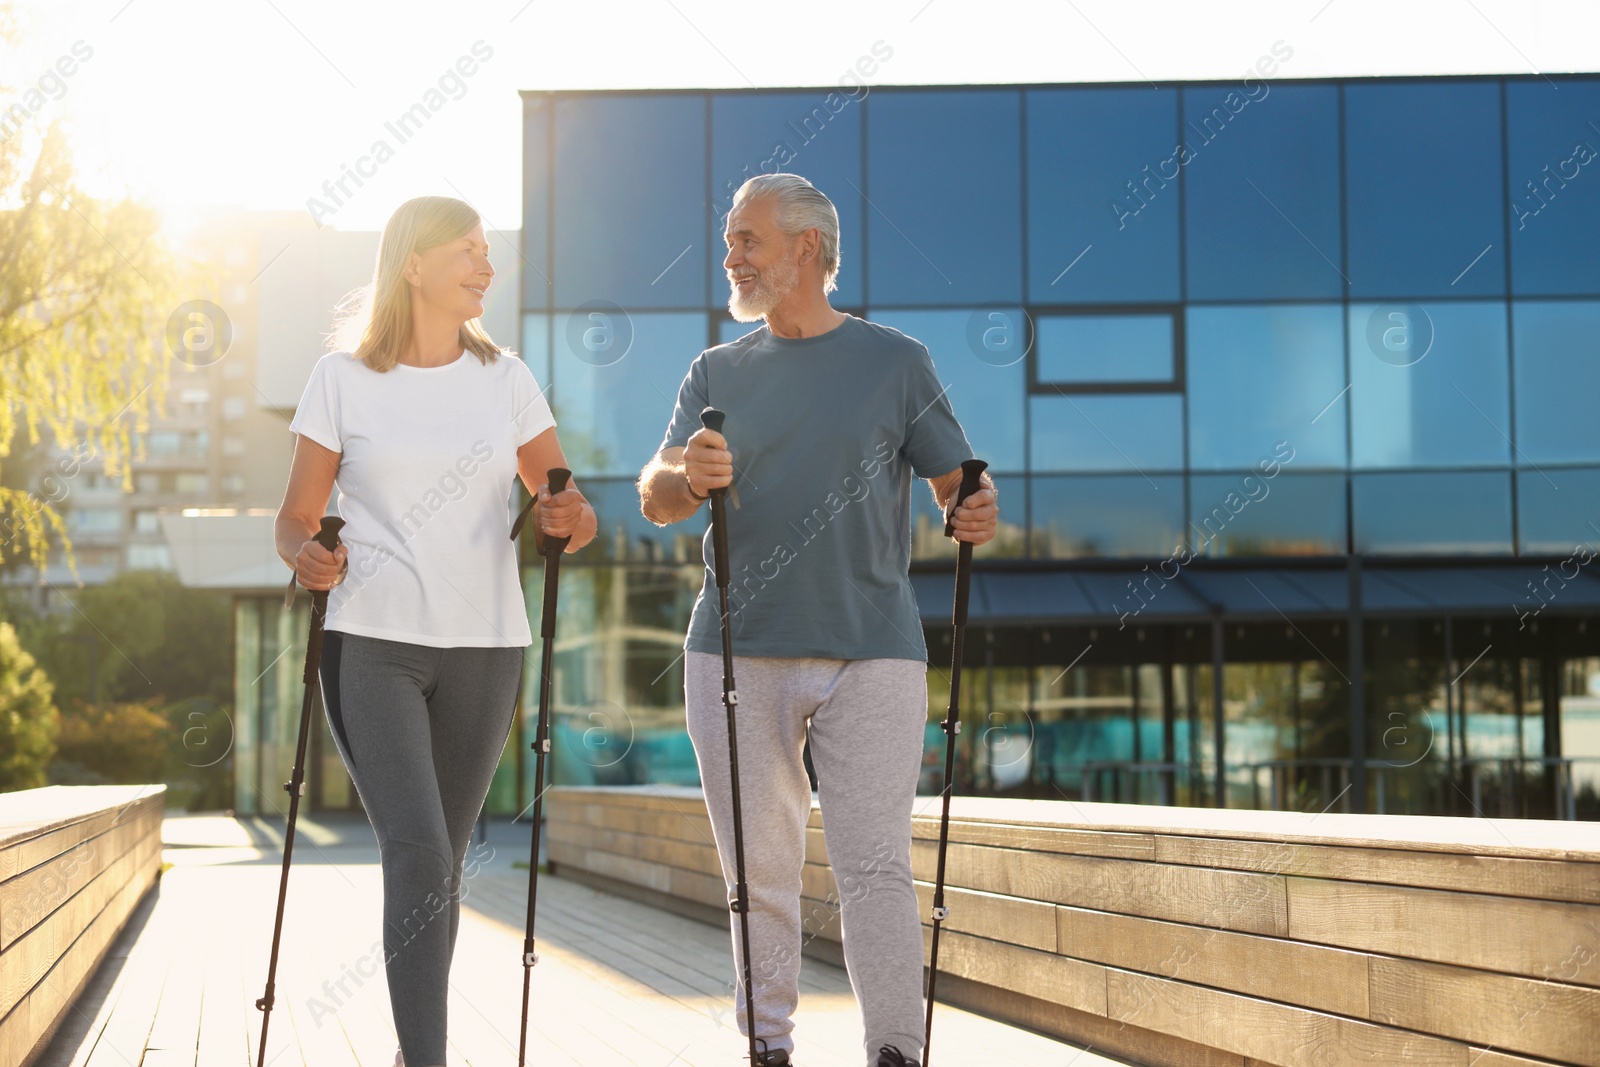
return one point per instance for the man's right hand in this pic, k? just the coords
(707, 463)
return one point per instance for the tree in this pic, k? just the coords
(86, 288)
(28, 720)
(119, 742)
(146, 634)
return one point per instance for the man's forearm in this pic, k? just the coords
(664, 493)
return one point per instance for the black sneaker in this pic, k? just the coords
(889, 1056)
(776, 1058)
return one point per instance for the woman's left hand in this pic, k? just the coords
(560, 513)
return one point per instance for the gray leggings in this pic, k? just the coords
(866, 719)
(420, 730)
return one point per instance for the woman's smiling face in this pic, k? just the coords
(455, 275)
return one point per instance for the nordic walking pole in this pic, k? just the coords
(328, 538)
(970, 470)
(711, 419)
(553, 547)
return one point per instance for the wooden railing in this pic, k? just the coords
(74, 863)
(1205, 938)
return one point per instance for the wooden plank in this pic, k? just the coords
(1265, 1030)
(673, 853)
(1551, 1019)
(30, 813)
(1525, 838)
(46, 1005)
(1533, 938)
(1489, 1057)
(25, 853)
(224, 1030)
(31, 957)
(1313, 976)
(1074, 842)
(1236, 900)
(1027, 923)
(1084, 1029)
(1547, 879)
(29, 898)
(123, 1040)
(1071, 983)
(694, 829)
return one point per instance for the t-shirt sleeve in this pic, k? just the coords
(934, 441)
(317, 414)
(530, 410)
(693, 396)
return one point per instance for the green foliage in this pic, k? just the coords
(123, 742)
(153, 639)
(28, 718)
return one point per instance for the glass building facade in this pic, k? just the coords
(1288, 388)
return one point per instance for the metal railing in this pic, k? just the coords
(1278, 784)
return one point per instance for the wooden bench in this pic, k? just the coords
(1201, 937)
(74, 863)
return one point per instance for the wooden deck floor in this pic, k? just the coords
(619, 983)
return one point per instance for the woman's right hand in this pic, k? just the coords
(317, 568)
(707, 463)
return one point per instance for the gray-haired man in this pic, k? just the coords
(830, 418)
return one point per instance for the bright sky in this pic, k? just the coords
(187, 103)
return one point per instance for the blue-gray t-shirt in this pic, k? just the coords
(826, 433)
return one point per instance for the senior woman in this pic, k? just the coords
(423, 425)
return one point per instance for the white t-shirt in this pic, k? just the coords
(429, 459)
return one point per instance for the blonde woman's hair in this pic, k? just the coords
(374, 322)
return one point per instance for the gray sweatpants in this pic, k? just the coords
(866, 720)
(420, 730)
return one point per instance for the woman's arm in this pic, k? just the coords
(567, 513)
(311, 475)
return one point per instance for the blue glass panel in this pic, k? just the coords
(1557, 365)
(1262, 189)
(1260, 375)
(536, 202)
(1077, 517)
(731, 330)
(619, 237)
(1107, 432)
(1250, 514)
(625, 534)
(986, 387)
(1102, 177)
(1429, 385)
(1009, 542)
(535, 349)
(1553, 155)
(815, 134)
(1449, 513)
(1105, 348)
(616, 378)
(1414, 232)
(1557, 510)
(944, 176)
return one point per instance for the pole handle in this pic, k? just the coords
(971, 469)
(556, 477)
(328, 535)
(712, 419)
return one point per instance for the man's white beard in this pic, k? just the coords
(772, 285)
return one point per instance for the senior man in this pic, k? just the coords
(829, 420)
